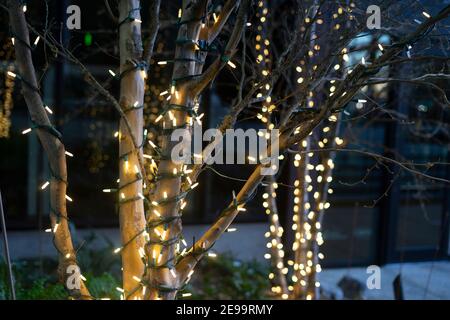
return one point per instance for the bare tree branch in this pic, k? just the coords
(201, 82)
(153, 29)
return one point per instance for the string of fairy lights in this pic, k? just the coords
(310, 191)
(6, 107)
(156, 231)
(275, 245)
(313, 188)
(309, 202)
(307, 235)
(158, 225)
(50, 129)
(309, 210)
(310, 195)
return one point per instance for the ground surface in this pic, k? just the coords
(421, 280)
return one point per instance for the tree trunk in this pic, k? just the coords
(131, 212)
(316, 187)
(165, 217)
(53, 147)
(276, 232)
(299, 247)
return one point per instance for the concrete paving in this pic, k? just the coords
(420, 280)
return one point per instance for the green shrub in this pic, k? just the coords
(224, 277)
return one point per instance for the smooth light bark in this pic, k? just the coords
(131, 212)
(187, 83)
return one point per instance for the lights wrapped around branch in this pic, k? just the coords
(130, 18)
